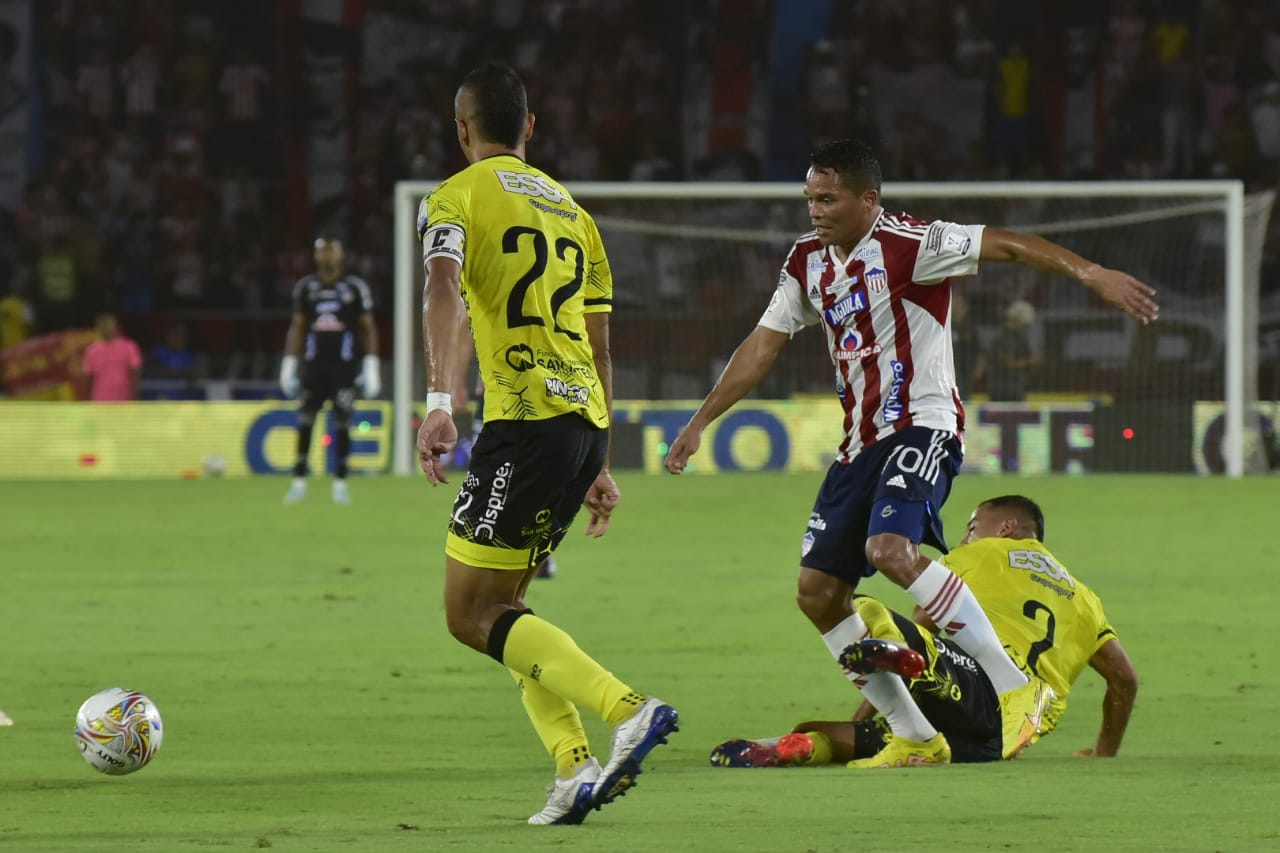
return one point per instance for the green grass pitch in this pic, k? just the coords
(314, 701)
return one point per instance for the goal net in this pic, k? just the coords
(1053, 381)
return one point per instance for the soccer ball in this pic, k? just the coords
(118, 731)
(215, 465)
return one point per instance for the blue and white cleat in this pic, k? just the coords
(341, 494)
(297, 491)
(570, 800)
(634, 739)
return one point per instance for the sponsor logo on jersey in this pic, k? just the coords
(816, 522)
(573, 393)
(933, 237)
(328, 323)
(498, 491)
(871, 250)
(957, 659)
(817, 265)
(898, 481)
(957, 243)
(328, 306)
(893, 402)
(877, 279)
(850, 347)
(538, 186)
(554, 363)
(520, 357)
(806, 545)
(554, 211)
(846, 308)
(1044, 570)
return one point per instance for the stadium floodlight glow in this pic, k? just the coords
(1231, 224)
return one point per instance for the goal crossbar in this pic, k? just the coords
(1228, 193)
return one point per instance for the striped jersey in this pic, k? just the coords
(886, 312)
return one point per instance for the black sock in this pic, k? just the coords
(304, 448)
(501, 628)
(342, 449)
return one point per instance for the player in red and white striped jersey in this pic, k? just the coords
(880, 286)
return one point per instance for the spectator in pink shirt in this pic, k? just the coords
(111, 364)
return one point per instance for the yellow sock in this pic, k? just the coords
(625, 708)
(557, 723)
(543, 653)
(822, 753)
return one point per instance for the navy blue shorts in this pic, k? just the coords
(897, 485)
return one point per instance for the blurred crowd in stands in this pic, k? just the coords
(186, 152)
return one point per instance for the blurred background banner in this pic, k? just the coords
(166, 440)
(47, 367)
(62, 441)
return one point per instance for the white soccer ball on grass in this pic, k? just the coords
(118, 731)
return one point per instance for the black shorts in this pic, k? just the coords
(322, 381)
(897, 485)
(953, 694)
(523, 489)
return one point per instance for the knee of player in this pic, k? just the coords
(465, 627)
(822, 598)
(893, 556)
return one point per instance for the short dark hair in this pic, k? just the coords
(852, 160)
(501, 106)
(1026, 510)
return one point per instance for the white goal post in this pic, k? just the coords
(1225, 198)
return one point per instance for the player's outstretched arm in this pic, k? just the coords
(749, 364)
(1118, 289)
(443, 314)
(1114, 665)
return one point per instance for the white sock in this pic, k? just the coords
(885, 690)
(888, 692)
(951, 605)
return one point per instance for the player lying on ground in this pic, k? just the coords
(1050, 622)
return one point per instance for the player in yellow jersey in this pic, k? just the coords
(1049, 622)
(508, 249)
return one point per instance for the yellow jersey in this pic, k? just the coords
(533, 267)
(1047, 620)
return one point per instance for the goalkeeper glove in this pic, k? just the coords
(289, 383)
(371, 376)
